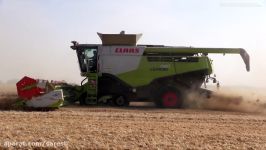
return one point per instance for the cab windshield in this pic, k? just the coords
(87, 59)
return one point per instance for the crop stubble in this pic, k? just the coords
(135, 127)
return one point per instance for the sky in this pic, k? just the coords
(35, 35)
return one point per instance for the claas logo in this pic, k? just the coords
(127, 50)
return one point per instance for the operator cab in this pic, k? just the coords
(87, 57)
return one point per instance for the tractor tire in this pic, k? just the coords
(82, 102)
(169, 97)
(121, 101)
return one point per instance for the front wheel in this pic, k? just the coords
(120, 101)
(169, 97)
(84, 100)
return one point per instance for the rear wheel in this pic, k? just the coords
(169, 97)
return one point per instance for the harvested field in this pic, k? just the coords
(137, 127)
(140, 126)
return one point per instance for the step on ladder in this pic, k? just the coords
(92, 88)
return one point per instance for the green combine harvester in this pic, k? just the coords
(119, 71)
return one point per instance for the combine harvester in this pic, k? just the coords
(119, 71)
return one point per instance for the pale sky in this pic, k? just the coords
(35, 35)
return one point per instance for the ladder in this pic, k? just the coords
(92, 86)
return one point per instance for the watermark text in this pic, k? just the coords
(46, 144)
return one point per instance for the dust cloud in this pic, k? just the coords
(237, 99)
(8, 96)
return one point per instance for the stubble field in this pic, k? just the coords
(209, 125)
